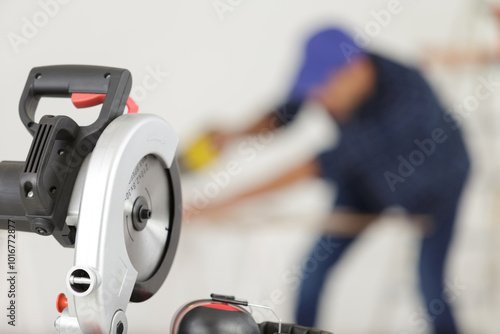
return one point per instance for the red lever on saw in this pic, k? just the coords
(85, 100)
(61, 303)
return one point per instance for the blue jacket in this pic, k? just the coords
(401, 148)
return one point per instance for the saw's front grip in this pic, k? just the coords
(60, 144)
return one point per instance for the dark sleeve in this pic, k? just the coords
(382, 140)
(334, 163)
(287, 112)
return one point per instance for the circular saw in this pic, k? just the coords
(110, 189)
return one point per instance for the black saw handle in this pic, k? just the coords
(64, 80)
(46, 179)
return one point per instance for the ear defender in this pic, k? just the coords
(209, 316)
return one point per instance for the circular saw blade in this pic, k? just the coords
(132, 172)
(149, 182)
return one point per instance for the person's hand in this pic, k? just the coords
(204, 150)
(221, 139)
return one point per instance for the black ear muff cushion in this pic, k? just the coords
(209, 320)
(272, 328)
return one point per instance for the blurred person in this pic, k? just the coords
(398, 147)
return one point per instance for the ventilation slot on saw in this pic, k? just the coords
(35, 155)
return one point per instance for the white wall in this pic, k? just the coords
(221, 72)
